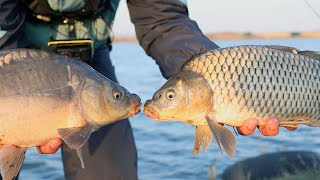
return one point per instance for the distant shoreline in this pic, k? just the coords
(241, 36)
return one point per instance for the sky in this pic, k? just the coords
(240, 16)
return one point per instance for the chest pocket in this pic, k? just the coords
(66, 5)
(66, 8)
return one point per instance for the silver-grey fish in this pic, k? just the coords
(45, 96)
(231, 85)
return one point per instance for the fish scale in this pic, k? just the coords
(267, 82)
(22, 75)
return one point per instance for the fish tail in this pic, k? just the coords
(11, 159)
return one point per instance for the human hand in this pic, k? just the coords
(270, 128)
(50, 147)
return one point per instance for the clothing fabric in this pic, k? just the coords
(167, 34)
(97, 28)
(12, 21)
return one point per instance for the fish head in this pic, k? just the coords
(120, 103)
(185, 96)
(108, 102)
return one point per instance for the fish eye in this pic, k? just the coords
(170, 94)
(116, 94)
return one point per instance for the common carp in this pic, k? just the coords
(233, 84)
(45, 96)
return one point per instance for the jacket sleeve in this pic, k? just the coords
(12, 19)
(167, 34)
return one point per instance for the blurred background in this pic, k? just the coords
(165, 149)
(258, 18)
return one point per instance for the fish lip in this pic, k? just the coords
(135, 111)
(151, 112)
(135, 108)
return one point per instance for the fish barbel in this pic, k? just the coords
(234, 84)
(45, 96)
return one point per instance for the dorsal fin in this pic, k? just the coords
(284, 48)
(312, 54)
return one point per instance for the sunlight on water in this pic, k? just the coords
(165, 149)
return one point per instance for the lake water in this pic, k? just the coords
(165, 149)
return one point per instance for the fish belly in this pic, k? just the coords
(261, 82)
(32, 121)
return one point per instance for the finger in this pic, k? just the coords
(51, 147)
(270, 128)
(291, 128)
(248, 127)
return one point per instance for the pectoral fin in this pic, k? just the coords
(202, 138)
(79, 153)
(222, 135)
(75, 138)
(283, 48)
(11, 159)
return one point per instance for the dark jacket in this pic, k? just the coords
(163, 28)
(167, 34)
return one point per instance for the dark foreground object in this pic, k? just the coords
(280, 165)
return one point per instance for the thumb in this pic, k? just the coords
(50, 147)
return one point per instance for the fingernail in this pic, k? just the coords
(273, 120)
(55, 143)
(52, 146)
(273, 124)
(252, 125)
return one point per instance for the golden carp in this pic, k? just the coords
(231, 85)
(45, 96)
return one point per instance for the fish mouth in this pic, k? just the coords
(135, 105)
(151, 112)
(135, 109)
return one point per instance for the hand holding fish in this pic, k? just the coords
(50, 147)
(271, 128)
